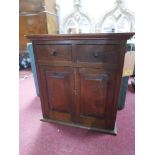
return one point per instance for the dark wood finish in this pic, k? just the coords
(97, 53)
(79, 78)
(54, 52)
(96, 92)
(58, 83)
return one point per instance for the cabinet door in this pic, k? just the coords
(57, 86)
(96, 95)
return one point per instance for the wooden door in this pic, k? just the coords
(96, 95)
(57, 92)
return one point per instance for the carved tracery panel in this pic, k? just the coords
(78, 21)
(118, 19)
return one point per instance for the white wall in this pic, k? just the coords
(95, 8)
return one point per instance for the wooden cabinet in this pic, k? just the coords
(36, 17)
(79, 78)
(30, 24)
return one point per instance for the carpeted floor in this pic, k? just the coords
(40, 138)
(24, 73)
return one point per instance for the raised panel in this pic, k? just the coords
(93, 92)
(58, 91)
(95, 96)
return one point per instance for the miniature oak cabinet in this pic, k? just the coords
(79, 78)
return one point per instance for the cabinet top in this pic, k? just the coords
(100, 36)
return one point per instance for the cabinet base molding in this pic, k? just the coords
(112, 132)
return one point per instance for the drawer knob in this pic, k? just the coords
(53, 53)
(95, 54)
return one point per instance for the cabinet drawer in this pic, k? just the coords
(98, 53)
(54, 52)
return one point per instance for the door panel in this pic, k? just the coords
(93, 94)
(96, 92)
(58, 91)
(58, 85)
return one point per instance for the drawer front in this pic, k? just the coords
(54, 52)
(98, 53)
